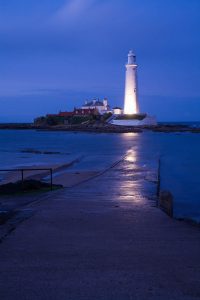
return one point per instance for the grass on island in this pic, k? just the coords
(139, 117)
(71, 120)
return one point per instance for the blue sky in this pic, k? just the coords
(54, 54)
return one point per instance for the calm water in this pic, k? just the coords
(179, 154)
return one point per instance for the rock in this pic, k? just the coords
(35, 151)
(27, 186)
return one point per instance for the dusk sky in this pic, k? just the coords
(55, 54)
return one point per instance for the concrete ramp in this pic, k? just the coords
(103, 239)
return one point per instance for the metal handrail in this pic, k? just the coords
(159, 177)
(30, 169)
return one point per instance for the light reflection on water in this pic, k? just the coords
(133, 186)
(131, 155)
(130, 134)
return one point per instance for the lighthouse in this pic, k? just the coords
(132, 116)
(131, 105)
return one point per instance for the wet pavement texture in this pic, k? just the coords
(103, 239)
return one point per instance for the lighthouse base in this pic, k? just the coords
(134, 120)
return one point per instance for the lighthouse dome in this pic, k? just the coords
(131, 57)
(131, 52)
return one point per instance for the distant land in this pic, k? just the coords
(101, 127)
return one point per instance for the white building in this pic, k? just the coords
(117, 110)
(101, 106)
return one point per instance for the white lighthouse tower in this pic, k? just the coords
(132, 115)
(131, 105)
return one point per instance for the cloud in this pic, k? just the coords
(73, 10)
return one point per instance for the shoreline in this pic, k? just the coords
(103, 128)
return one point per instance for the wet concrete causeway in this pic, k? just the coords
(103, 239)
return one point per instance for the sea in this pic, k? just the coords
(178, 153)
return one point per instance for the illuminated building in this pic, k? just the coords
(131, 105)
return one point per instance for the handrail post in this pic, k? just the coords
(22, 173)
(158, 185)
(51, 179)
